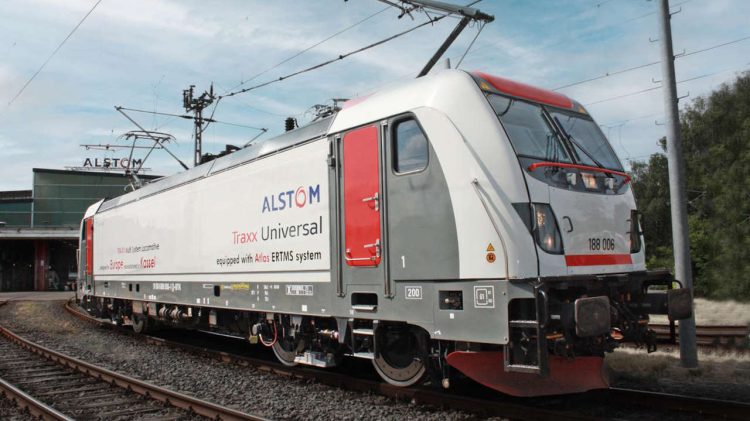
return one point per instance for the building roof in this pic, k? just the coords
(311, 131)
(92, 173)
(24, 233)
(15, 195)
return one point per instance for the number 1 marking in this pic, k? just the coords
(403, 262)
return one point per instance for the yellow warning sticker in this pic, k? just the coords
(490, 248)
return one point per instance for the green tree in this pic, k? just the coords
(651, 187)
(716, 145)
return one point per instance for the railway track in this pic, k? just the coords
(503, 406)
(724, 336)
(53, 386)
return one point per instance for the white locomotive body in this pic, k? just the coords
(457, 220)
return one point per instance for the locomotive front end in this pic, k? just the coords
(592, 291)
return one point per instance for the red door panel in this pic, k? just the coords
(89, 227)
(362, 197)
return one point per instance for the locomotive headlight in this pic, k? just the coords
(541, 217)
(546, 232)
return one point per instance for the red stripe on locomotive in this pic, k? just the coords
(598, 259)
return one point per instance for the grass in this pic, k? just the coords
(721, 374)
(725, 376)
(709, 312)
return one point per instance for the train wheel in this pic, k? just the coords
(284, 353)
(116, 318)
(140, 323)
(286, 347)
(400, 360)
(101, 308)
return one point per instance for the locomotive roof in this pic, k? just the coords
(433, 90)
(399, 98)
(521, 90)
(311, 131)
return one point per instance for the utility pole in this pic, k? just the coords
(677, 196)
(197, 105)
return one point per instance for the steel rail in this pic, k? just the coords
(712, 330)
(503, 406)
(727, 336)
(705, 407)
(509, 409)
(25, 401)
(36, 408)
(198, 406)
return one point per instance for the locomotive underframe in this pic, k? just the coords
(574, 316)
(553, 322)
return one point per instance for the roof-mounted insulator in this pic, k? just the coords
(290, 124)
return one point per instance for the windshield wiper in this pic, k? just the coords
(575, 142)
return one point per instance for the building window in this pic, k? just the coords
(410, 152)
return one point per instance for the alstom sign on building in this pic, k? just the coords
(120, 163)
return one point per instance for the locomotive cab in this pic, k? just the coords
(591, 291)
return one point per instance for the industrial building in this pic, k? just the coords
(39, 228)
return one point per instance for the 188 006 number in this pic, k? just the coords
(606, 244)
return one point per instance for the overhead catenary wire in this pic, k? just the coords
(75, 28)
(653, 63)
(606, 75)
(260, 110)
(659, 87)
(628, 120)
(189, 117)
(713, 47)
(565, 39)
(211, 117)
(299, 53)
(470, 45)
(340, 57)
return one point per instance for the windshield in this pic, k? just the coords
(528, 129)
(586, 133)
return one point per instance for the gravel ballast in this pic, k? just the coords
(277, 397)
(10, 412)
(243, 388)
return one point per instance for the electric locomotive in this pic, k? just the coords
(456, 223)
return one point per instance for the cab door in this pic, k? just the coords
(362, 205)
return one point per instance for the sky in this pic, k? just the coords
(143, 53)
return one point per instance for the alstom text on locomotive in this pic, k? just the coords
(292, 231)
(289, 199)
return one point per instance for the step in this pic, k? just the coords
(522, 368)
(523, 323)
(317, 359)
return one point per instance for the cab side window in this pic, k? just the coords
(410, 151)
